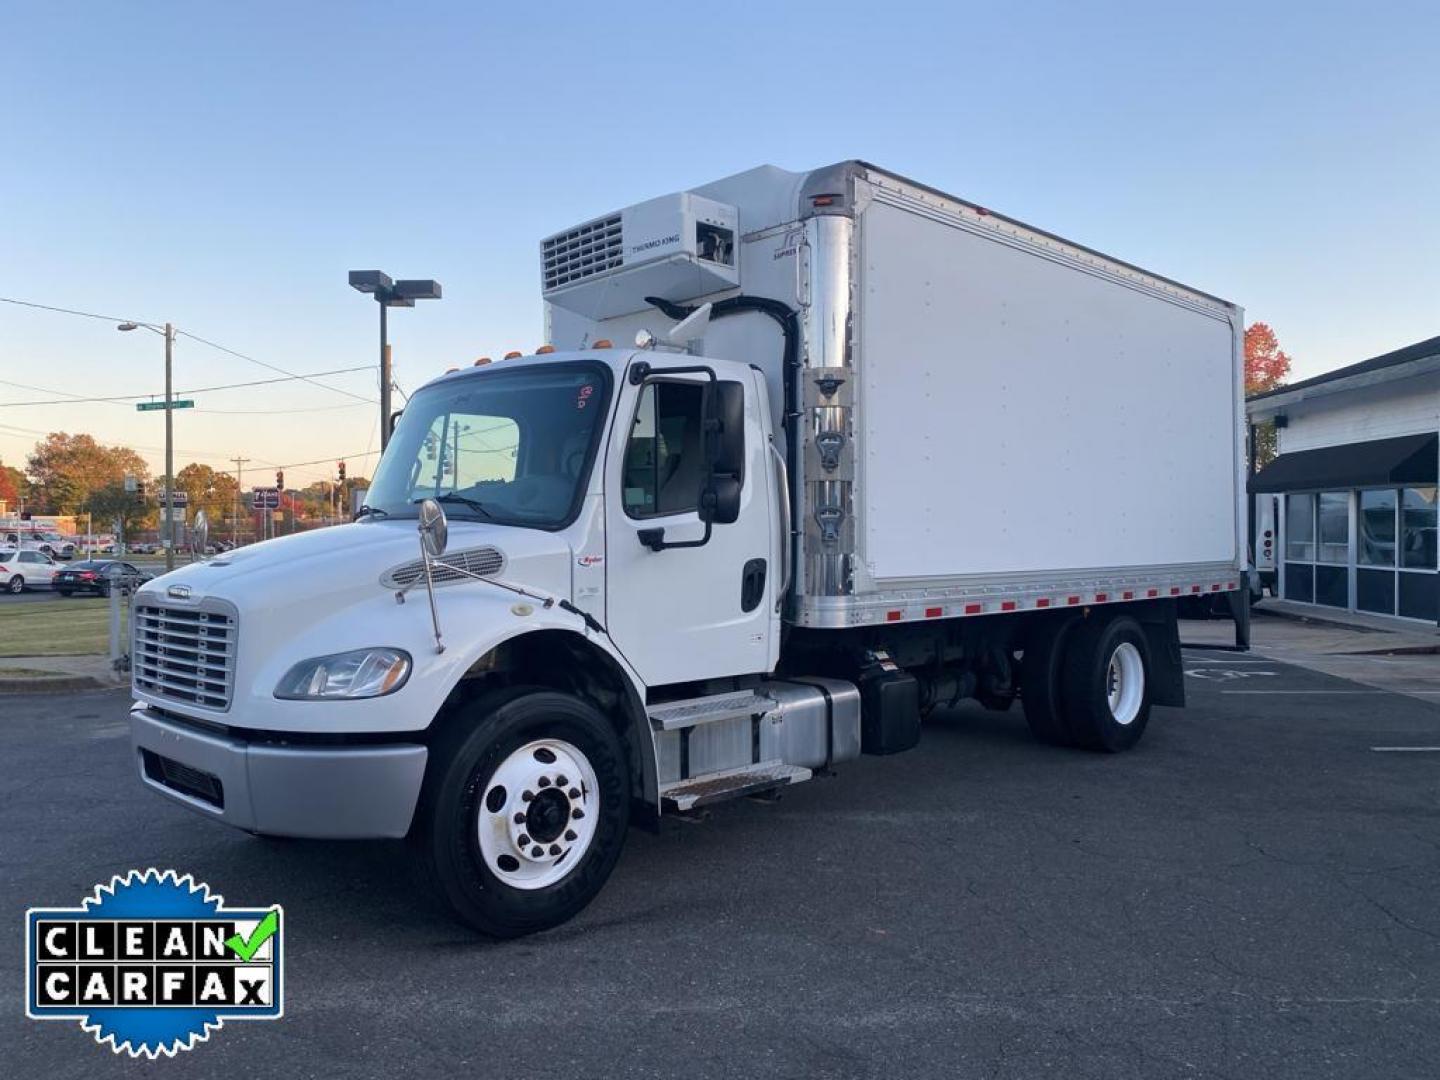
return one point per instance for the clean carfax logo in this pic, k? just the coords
(153, 962)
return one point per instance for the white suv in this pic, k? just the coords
(22, 569)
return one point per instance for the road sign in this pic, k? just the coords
(130, 483)
(159, 406)
(180, 498)
(265, 499)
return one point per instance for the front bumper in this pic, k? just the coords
(321, 792)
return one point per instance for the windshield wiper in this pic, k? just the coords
(450, 496)
(365, 511)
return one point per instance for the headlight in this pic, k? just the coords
(364, 673)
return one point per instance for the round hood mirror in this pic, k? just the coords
(434, 529)
(199, 533)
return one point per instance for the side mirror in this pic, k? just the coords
(720, 500)
(199, 533)
(434, 529)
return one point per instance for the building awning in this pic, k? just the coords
(1408, 459)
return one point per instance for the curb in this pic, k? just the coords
(1317, 620)
(54, 684)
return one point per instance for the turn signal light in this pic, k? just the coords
(451, 370)
(544, 350)
(603, 343)
(512, 354)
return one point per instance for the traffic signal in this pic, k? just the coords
(280, 479)
(140, 490)
(340, 467)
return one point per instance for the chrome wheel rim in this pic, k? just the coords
(1125, 683)
(538, 814)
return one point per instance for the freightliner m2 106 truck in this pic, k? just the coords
(807, 456)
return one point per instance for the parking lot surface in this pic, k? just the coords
(1253, 892)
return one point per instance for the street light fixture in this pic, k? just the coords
(169, 531)
(389, 293)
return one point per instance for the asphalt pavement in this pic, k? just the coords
(1252, 892)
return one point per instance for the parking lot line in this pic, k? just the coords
(1395, 690)
(1406, 749)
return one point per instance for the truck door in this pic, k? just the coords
(697, 610)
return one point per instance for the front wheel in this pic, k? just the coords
(525, 811)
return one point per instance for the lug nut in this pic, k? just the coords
(523, 840)
(570, 835)
(574, 793)
(526, 796)
(519, 819)
(577, 813)
(554, 849)
(543, 782)
(560, 781)
(537, 851)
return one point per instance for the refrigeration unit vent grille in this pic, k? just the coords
(583, 252)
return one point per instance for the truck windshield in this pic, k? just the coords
(513, 447)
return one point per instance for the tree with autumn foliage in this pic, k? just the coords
(1266, 367)
(65, 470)
(13, 486)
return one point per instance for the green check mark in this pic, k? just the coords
(244, 948)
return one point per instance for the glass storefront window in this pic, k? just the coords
(1417, 528)
(1334, 520)
(1300, 527)
(1377, 528)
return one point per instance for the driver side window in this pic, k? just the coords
(664, 457)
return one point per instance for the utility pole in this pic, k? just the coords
(235, 510)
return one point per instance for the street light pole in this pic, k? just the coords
(169, 455)
(384, 379)
(388, 294)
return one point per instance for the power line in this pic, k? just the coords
(192, 337)
(126, 398)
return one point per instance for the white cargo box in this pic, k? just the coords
(992, 418)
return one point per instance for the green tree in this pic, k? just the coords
(208, 489)
(66, 470)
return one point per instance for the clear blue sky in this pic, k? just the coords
(223, 166)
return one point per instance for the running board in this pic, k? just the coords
(673, 715)
(730, 784)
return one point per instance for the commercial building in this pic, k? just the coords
(1352, 494)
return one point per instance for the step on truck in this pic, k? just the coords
(806, 456)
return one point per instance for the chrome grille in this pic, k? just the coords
(185, 654)
(582, 252)
(483, 561)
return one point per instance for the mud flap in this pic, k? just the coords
(1167, 671)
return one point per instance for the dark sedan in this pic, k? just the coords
(100, 576)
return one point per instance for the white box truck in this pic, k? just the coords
(875, 450)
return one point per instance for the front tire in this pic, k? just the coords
(525, 811)
(1106, 684)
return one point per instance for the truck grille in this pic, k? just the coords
(185, 654)
(582, 252)
(483, 561)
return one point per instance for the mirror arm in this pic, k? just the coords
(654, 539)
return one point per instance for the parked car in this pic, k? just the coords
(100, 576)
(22, 569)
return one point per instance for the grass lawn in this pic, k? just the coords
(58, 628)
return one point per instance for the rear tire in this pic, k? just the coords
(63, 592)
(474, 814)
(16, 585)
(1105, 680)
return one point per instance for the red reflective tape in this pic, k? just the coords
(1044, 601)
(1127, 595)
(1072, 600)
(1007, 605)
(1152, 592)
(892, 616)
(1215, 587)
(973, 609)
(1101, 597)
(1230, 585)
(934, 612)
(1174, 590)
(1194, 588)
